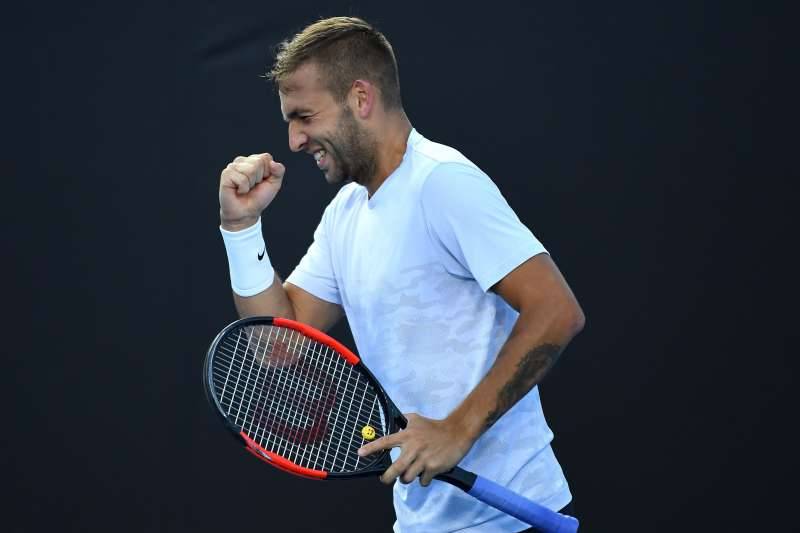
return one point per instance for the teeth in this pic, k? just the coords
(319, 155)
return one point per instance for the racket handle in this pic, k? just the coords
(510, 502)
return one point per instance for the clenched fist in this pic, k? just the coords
(246, 187)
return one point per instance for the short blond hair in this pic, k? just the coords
(345, 49)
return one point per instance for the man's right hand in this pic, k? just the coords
(246, 187)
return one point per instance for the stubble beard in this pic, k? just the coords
(354, 151)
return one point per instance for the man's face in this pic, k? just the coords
(325, 128)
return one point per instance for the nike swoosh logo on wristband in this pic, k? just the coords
(261, 255)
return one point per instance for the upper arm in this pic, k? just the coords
(537, 288)
(468, 216)
(312, 288)
(471, 221)
(311, 310)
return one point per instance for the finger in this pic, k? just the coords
(412, 472)
(399, 467)
(426, 478)
(249, 169)
(265, 158)
(430, 471)
(260, 164)
(262, 161)
(232, 178)
(259, 172)
(238, 181)
(276, 170)
(383, 443)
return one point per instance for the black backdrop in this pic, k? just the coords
(646, 145)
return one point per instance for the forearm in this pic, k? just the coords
(531, 349)
(257, 288)
(259, 291)
(274, 301)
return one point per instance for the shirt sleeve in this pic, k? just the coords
(479, 233)
(314, 273)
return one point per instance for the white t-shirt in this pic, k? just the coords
(411, 267)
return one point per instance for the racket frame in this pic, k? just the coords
(393, 417)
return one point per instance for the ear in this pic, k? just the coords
(363, 97)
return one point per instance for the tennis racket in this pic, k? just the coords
(302, 402)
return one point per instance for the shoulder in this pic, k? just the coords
(456, 185)
(444, 168)
(436, 153)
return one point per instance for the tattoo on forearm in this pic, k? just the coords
(530, 370)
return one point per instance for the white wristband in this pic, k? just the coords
(251, 271)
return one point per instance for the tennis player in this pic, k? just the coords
(453, 303)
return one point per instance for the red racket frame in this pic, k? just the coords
(394, 419)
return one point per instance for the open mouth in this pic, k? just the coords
(319, 157)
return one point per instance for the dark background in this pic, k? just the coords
(648, 145)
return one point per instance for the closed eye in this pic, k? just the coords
(304, 116)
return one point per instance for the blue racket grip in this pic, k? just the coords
(522, 508)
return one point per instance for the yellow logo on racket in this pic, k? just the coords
(368, 432)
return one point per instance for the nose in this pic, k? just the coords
(297, 139)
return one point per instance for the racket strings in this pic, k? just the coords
(296, 397)
(306, 458)
(259, 379)
(249, 417)
(344, 424)
(279, 397)
(308, 455)
(280, 400)
(317, 388)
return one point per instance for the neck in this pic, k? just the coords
(391, 142)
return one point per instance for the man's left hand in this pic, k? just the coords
(428, 447)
